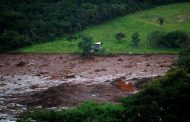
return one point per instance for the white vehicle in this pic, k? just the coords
(97, 46)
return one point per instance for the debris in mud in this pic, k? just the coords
(44, 65)
(120, 59)
(1, 65)
(99, 70)
(2, 84)
(2, 78)
(67, 73)
(32, 62)
(34, 86)
(62, 74)
(145, 70)
(55, 76)
(128, 66)
(21, 64)
(125, 86)
(70, 76)
(147, 65)
(41, 73)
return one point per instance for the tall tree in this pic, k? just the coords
(135, 39)
(120, 36)
(161, 22)
(86, 46)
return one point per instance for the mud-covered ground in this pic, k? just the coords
(49, 80)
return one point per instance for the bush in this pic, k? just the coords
(176, 39)
(135, 39)
(173, 39)
(184, 59)
(13, 40)
(71, 37)
(155, 38)
(86, 46)
(120, 36)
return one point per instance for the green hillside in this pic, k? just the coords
(177, 17)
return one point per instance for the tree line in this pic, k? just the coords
(26, 22)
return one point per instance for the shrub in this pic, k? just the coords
(71, 37)
(184, 59)
(155, 38)
(173, 39)
(135, 39)
(176, 39)
(120, 36)
(86, 46)
(87, 112)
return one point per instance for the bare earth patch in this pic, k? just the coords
(183, 18)
(50, 80)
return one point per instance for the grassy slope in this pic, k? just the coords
(176, 15)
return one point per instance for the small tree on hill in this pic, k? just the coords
(120, 36)
(161, 22)
(86, 46)
(135, 39)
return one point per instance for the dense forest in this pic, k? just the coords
(26, 22)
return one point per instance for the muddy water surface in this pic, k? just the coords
(49, 80)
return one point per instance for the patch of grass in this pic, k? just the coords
(86, 112)
(177, 17)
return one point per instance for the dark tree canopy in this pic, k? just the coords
(24, 22)
(86, 46)
(135, 39)
(120, 36)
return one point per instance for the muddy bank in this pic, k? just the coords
(72, 94)
(48, 80)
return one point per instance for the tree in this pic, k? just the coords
(155, 38)
(161, 22)
(86, 46)
(135, 39)
(173, 39)
(120, 36)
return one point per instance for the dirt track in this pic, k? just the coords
(24, 78)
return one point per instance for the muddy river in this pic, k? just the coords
(62, 80)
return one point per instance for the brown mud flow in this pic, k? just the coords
(50, 80)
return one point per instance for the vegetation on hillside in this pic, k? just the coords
(86, 46)
(135, 39)
(120, 36)
(173, 39)
(143, 22)
(24, 22)
(86, 112)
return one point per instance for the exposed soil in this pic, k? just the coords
(183, 18)
(49, 80)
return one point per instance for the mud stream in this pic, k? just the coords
(60, 80)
